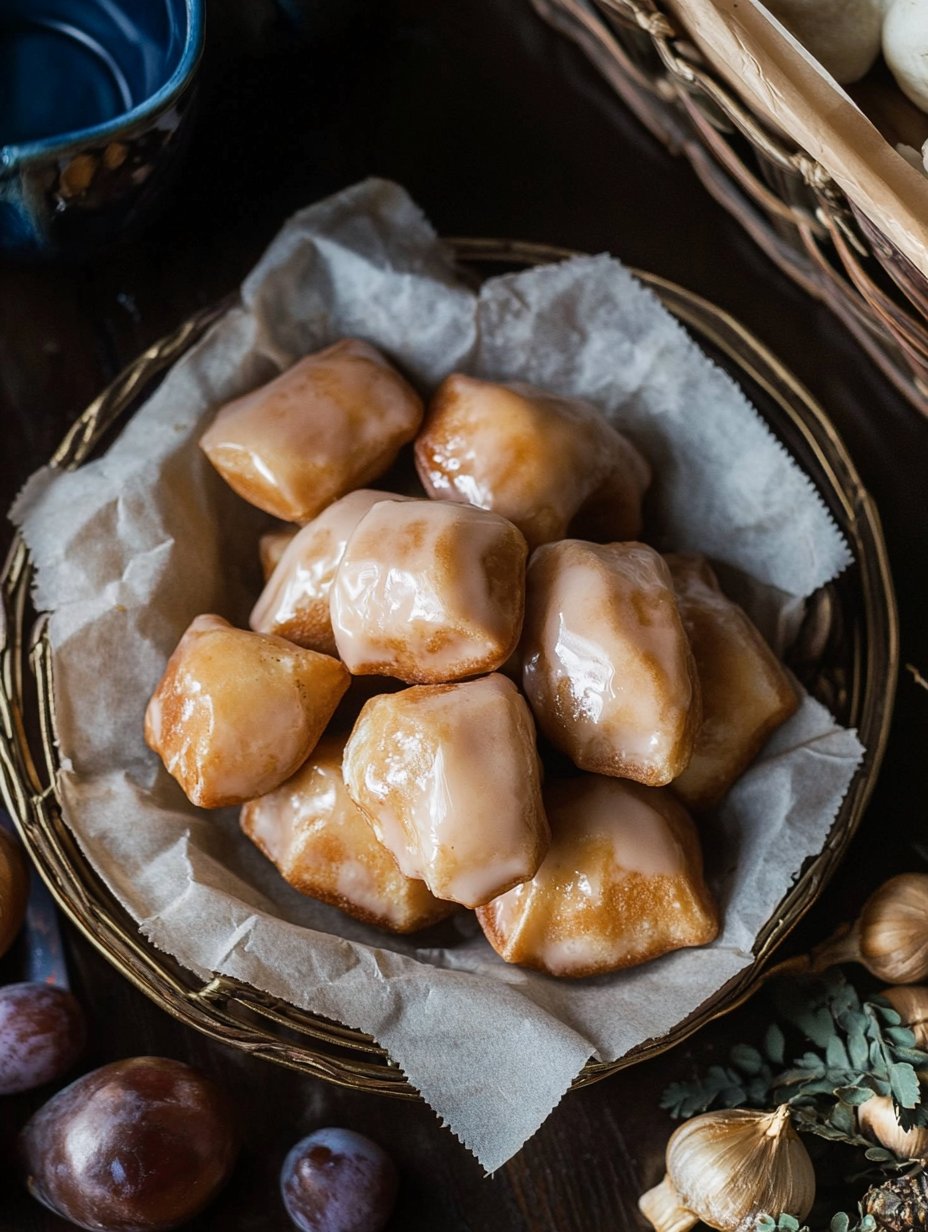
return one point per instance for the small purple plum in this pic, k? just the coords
(138, 1146)
(42, 1033)
(338, 1181)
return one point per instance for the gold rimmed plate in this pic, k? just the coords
(846, 656)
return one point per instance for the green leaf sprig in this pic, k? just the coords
(860, 1049)
(839, 1223)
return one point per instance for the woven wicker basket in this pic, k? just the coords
(784, 199)
(846, 655)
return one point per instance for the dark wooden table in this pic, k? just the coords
(497, 127)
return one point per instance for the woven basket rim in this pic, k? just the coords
(234, 1013)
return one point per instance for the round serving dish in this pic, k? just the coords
(846, 655)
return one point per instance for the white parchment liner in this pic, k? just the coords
(129, 548)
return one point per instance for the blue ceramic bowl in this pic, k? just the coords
(93, 94)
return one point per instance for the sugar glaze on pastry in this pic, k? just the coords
(429, 591)
(322, 844)
(235, 713)
(621, 884)
(607, 664)
(537, 459)
(331, 423)
(448, 777)
(746, 692)
(295, 602)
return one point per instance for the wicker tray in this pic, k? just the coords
(846, 654)
(784, 199)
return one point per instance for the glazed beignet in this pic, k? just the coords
(607, 664)
(621, 884)
(295, 602)
(535, 458)
(236, 713)
(322, 844)
(746, 693)
(333, 422)
(429, 591)
(448, 777)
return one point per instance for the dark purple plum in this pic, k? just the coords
(338, 1181)
(42, 1033)
(137, 1146)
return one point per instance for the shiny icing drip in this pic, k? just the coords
(295, 601)
(448, 776)
(237, 712)
(531, 456)
(328, 424)
(606, 662)
(621, 884)
(323, 845)
(428, 591)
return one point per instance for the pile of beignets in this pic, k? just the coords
(513, 598)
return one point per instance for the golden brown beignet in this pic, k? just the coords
(746, 694)
(235, 713)
(537, 459)
(271, 546)
(429, 591)
(607, 665)
(448, 777)
(332, 422)
(324, 846)
(621, 884)
(295, 602)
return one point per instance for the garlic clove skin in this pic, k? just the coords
(905, 48)
(877, 1119)
(911, 1004)
(724, 1167)
(892, 932)
(661, 1207)
(843, 35)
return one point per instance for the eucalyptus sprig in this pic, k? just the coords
(860, 1049)
(838, 1223)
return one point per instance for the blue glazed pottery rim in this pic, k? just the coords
(18, 153)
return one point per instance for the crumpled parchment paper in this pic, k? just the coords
(130, 547)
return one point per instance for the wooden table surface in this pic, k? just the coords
(499, 128)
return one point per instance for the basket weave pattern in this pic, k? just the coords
(784, 199)
(846, 655)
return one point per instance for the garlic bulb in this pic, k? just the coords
(724, 1167)
(877, 1117)
(911, 1004)
(905, 48)
(890, 936)
(13, 890)
(843, 35)
(893, 930)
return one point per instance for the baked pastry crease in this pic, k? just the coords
(746, 692)
(536, 458)
(429, 592)
(607, 664)
(236, 713)
(448, 777)
(621, 884)
(323, 845)
(332, 422)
